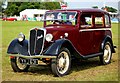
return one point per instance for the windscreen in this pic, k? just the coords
(60, 16)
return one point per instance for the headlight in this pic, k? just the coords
(21, 37)
(49, 37)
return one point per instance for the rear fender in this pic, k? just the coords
(17, 47)
(107, 38)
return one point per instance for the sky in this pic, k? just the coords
(90, 3)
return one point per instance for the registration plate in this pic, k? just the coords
(29, 61)
(33, 61)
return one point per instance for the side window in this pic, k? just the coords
(99, 21)
(86, 21)
(107, 21)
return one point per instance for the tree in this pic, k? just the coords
(15, 7)
(12, 9)
(110, 9)
(1, 7)
(23, 6)
(50, 5)
(94, 6)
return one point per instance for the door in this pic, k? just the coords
(85, 40)
(99, 31)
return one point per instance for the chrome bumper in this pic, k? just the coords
(31, 57)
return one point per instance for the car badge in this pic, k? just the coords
(39, 37)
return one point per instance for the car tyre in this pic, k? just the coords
(107, 54)
(62, 64)
(17, 66)
(15, 19)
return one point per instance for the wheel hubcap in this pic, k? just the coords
(63, 62)
(20, 65)
(107, 53)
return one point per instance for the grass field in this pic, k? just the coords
(89, 70)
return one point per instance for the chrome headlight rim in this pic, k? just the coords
(21, 37)
(49, 37)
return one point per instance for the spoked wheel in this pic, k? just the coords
(62, 65)
(106, 58)
(17, 66)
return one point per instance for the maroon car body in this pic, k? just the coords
(67, 34)
(86, 40)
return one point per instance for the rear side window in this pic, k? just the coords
(107, 21)
(86, 21)
(99, 21)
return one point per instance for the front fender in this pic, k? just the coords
(17, 47)
(54, 49)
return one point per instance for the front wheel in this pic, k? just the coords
(107, 54)
(62, 65)
(17, 66)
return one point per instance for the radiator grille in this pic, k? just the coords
(36, 41)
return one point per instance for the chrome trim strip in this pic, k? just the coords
(43, 38)
(35, 41)
(30, 57)
(99, 29)
(29, 43)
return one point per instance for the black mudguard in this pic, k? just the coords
(54, 49)
(17, 47)
(107, 38)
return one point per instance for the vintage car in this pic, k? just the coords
(9, 19)
(66, 34)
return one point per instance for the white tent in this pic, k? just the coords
(32, 13)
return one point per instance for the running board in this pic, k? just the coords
(92, 55)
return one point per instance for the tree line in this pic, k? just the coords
(14, 8)
(109, 9)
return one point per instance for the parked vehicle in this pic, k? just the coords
(9, 19)
(67, 34)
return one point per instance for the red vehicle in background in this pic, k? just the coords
(66, 35)
(9, 19)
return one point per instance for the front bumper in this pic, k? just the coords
(32, 57)
(33, 60)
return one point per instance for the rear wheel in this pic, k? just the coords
(15, 19)
(62, 65)
(107, 54)
(17, 66)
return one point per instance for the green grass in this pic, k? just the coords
(89, 70)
